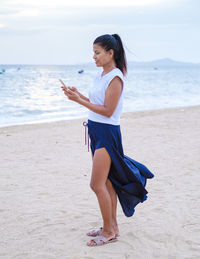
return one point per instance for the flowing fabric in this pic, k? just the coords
(128, 176)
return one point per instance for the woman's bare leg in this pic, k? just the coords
(100, 170)
(113, 196)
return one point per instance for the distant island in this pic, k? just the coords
(154, 63)
(163, 62)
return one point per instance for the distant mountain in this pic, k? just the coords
(162, 62)
(154, 63)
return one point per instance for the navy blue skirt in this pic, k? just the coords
(128, 176)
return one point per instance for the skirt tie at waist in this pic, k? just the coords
(85, 124)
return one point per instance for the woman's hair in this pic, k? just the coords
(114, 42)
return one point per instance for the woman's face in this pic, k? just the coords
(101, 56)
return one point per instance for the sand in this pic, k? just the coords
(46, 205)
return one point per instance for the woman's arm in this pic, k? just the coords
(112, 96)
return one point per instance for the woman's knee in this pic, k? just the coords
(97, 188)
(92, 186)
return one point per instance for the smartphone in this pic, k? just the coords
(62, 82)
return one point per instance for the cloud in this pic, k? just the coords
(149, 28)
(2, 25)
(62, 13)
(62, 19)
(28, 13)
(88, 2)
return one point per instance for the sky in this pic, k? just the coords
(63, 31)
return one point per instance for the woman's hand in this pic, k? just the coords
(71, 93)
(74, 89)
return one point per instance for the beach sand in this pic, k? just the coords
(46, 205)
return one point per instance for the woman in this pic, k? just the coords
(113, 173)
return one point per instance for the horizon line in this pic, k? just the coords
(87, 63)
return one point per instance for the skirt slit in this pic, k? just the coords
(128, 176)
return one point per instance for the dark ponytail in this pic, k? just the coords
(114, 42)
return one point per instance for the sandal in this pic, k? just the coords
(97, 232)
(101, 240)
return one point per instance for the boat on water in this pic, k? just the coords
(2, 71)
(81, 71)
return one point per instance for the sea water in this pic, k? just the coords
(32, 93)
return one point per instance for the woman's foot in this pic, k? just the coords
(104, 238)
(95, 232)
(116, 230)
(101, 240)
(98, 232)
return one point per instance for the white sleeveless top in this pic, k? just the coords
(97, 96)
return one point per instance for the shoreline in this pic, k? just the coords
(124, 114)
(47, 205)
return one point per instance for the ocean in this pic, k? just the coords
(32, 93)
